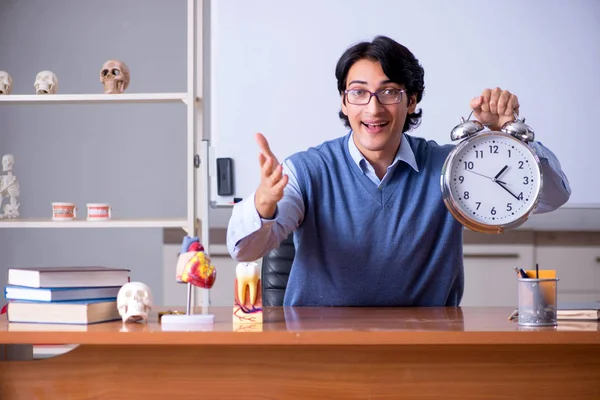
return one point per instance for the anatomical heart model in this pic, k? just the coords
(193, 265)
(46, 83)
(114, 75)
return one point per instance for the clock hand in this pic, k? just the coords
(500, 173)
(505, 188)
(485, 176)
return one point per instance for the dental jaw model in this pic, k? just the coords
(248, 297)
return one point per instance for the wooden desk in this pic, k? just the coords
(331, 353)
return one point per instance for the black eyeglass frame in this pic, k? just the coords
(376, 94)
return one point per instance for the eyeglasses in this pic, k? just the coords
(384, 96)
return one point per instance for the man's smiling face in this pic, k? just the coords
(377, 128)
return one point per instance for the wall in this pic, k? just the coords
(129, 155)
(273, 63)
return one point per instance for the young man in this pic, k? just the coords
(370, 226)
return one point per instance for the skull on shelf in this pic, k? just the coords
(114, 75)
(134, 302)
(46, 83)
(5, 83)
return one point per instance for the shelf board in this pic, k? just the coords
(26, 99)
(82, 223)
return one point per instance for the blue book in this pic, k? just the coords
(14, 292)
(63, 312)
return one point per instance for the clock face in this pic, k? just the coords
(494, 179)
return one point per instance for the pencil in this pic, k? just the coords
(521, 273)
(513, 315)
(537, 271)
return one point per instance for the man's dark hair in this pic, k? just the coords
(398, 64)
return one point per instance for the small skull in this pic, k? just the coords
(5, 83)
(134, 302)
(46, 83)
(114, 76)
(8, 160)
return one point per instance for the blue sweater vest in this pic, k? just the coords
(363, 246)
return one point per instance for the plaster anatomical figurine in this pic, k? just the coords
(114, 75)
(134, 302)
(6, 83)
(9, 188)
(46, 83)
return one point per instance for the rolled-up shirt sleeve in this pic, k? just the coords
(556, 190)
(250, 237)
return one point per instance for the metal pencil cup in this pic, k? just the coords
(537, 301)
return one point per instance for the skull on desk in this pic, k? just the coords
(134, 302)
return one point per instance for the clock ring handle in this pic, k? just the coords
(519, 129)
(468, 118)
(466, 128)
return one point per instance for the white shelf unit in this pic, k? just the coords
(25, 99)
(196, 147)
(82, 223)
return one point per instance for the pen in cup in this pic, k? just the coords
(522, 274)
(537, 292)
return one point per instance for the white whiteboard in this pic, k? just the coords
(272, 68)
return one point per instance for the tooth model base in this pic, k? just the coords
(248, 313)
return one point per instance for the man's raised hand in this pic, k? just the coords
(272, 180)
(495, 107)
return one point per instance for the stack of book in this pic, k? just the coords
(64, 295)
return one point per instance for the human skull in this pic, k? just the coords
(46, 83)
(8, 160)
(5, 83)
(114, 75)
(134, 302)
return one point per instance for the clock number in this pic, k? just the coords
(520, 196)
(478, 153)
(509, 153)
(461, 179)
(478, 205)
(494, 149)
(520, 164)
(466, 195)
(493, 211)
(525, 180)
(469, 165)
(509, 207)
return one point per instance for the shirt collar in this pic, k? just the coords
(405, 153)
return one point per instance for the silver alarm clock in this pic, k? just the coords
(491, 181)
